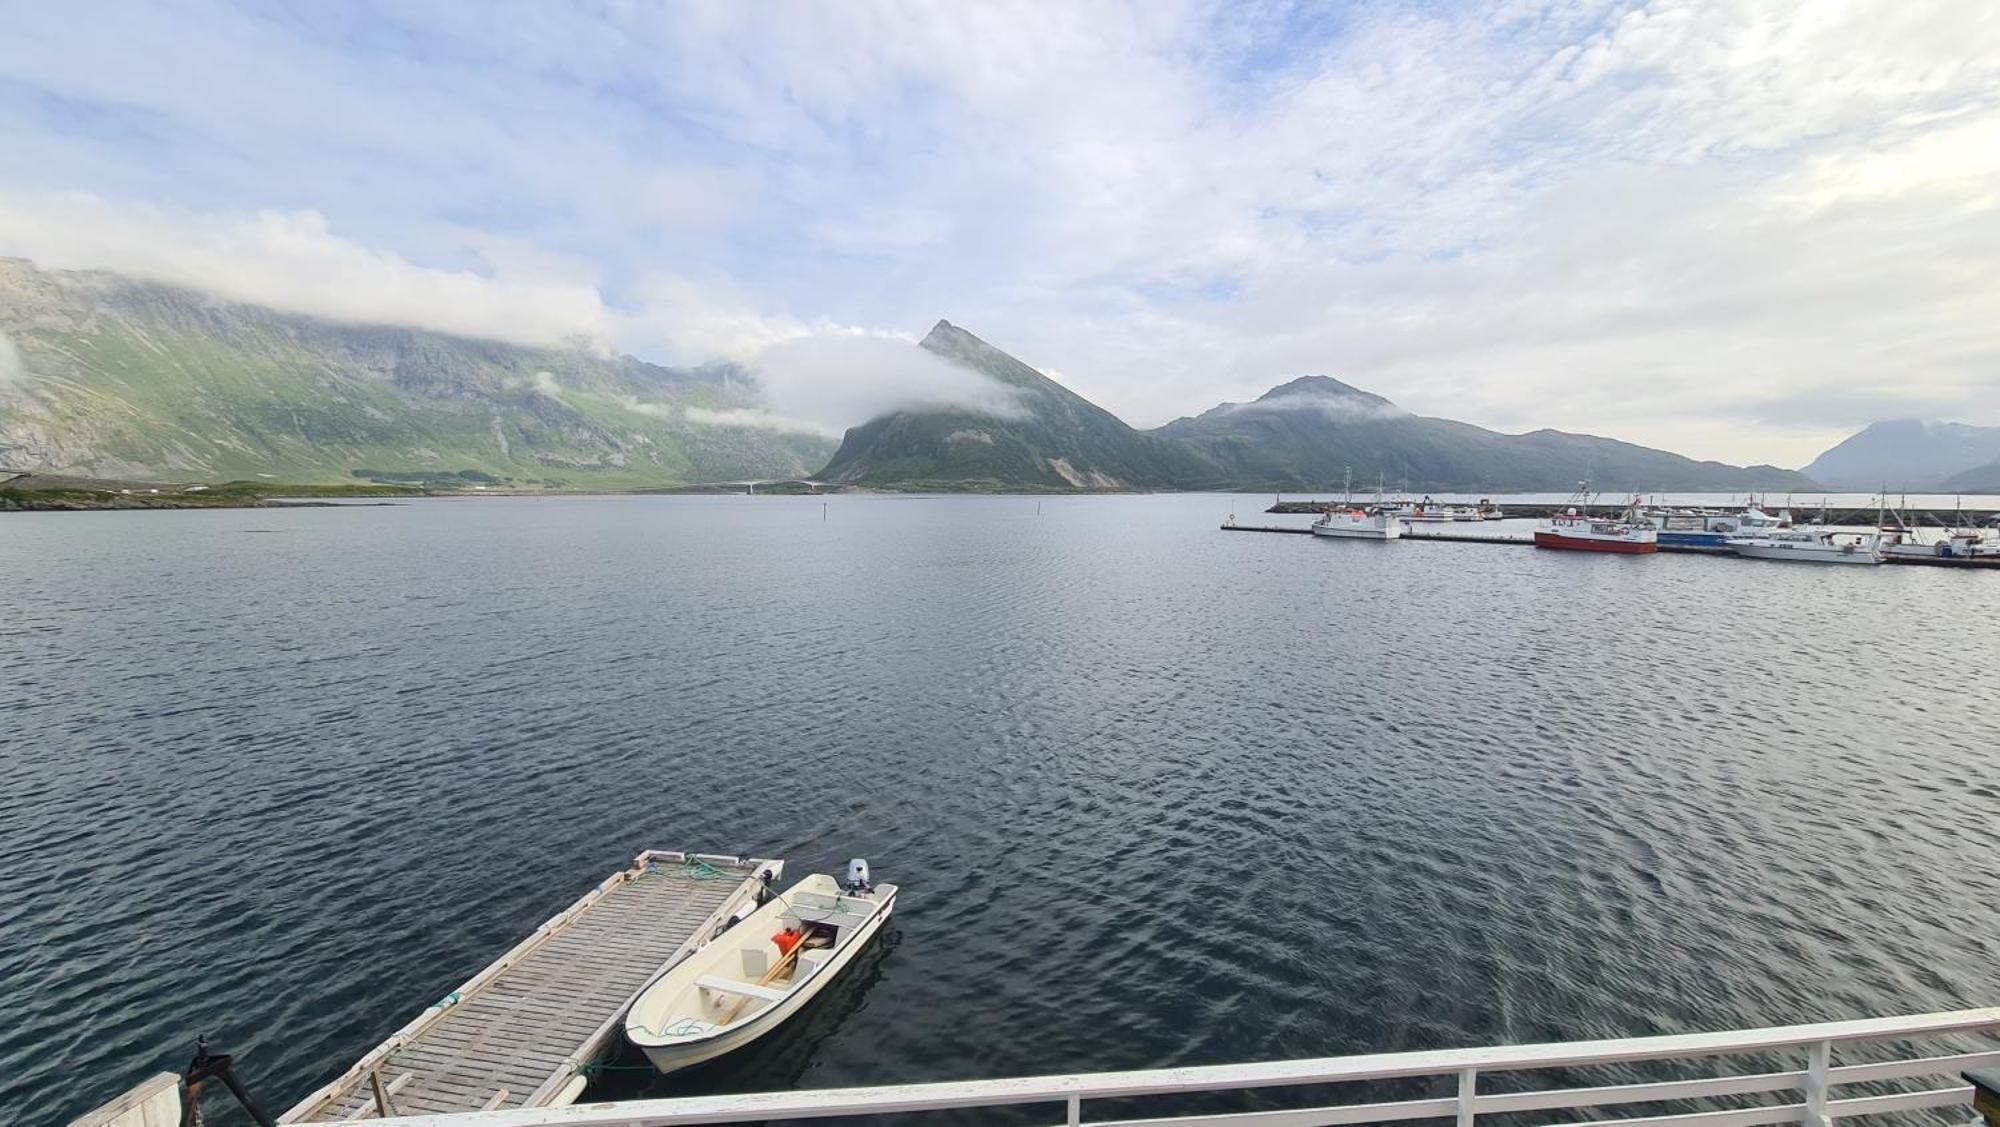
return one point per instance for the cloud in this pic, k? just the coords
(1673, 221)
(755, 419)
(750, 418)
(838, 379)
(292, 261)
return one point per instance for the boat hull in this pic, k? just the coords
(1694, 541)
(1789, 554)
(1594, 544)
(1929, 560)
(675, 1056)
(1357, 532)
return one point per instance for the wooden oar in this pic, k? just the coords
(771, 974)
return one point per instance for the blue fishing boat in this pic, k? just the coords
(1708, 530)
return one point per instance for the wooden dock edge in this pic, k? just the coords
(154, 1103)
(374, 1058)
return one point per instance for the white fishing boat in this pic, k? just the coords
(754, 976)
(1427, 511)
(1962, 547)
(1348, 520)
(1358, 524)
(1807, 545)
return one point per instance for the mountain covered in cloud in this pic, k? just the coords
(1302, 435)
(1912, 454)
(1047, 437)
(111, 377)
(1309, 433)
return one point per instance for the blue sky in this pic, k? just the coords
(1733, 229)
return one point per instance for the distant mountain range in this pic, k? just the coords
(105, 376)
(1308, 433)
(1302, 435)
(1914, 455)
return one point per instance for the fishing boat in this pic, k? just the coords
(1807, 545)
(1960, 547)
(1426, 511)
(1707, 530)
(1575, 531)
(750, 979)
(1358, 524)
(1350, 521)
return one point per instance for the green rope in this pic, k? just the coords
(698, 869)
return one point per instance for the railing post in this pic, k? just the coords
(1468, 1084)
(1819, 1059)
(1075, 1110)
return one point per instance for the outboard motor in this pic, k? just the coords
(857, 876)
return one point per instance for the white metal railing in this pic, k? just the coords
(1814, 1103)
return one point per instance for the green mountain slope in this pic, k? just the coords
(116, 378)
(1056, 439)
(1308, 433)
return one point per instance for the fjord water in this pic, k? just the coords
(1155, 793)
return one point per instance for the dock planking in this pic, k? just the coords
(517, 1033)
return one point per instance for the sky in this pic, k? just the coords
(1736, 230)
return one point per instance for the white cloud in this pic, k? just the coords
(293, 262)
(841, 378)
(757, 420)
(1730, 226)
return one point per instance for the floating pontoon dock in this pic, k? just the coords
(517, 1034)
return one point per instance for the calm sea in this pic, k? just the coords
(1155, 793)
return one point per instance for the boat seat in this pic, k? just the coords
(831, 918)
(810, 961)
(756, 961)
(745, 989)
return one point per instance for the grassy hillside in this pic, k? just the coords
(130, 380)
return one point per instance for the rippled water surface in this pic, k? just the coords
(1155, 793)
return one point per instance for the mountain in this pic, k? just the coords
(1907, 454)
(1307, 433)
(1978, 479)
(105, 376)
(1052, 439)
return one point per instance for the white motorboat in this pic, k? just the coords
(751, 978)
(1807, 545)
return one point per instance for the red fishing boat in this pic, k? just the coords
(1572, 530)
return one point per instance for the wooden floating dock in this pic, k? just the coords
(517, 1034)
